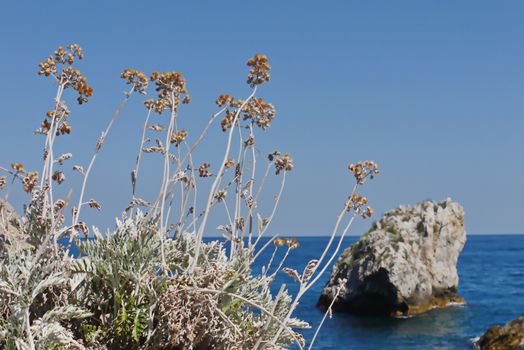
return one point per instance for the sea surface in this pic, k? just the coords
(491, 271)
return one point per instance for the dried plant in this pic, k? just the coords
(152, 282)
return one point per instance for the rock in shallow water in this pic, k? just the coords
(509, 337)
(405, 264)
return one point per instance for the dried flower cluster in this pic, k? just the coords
(30, 181)
(59, 121)
(58, 176)
(137, 79)
(259, 72)
(230, 163)
(362, 170)
(68, 76)
(171, 87)
(284, 163)
(18, 167)
(178, 137)
(291, 243)
(256, 111)
(259, 112)
(358, 203)
(203, 170)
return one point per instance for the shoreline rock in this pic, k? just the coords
(404, 265)
(10, 233)
(508, 337)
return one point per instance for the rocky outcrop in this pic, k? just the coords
(509, 337)
(10, 233)
(405, 264)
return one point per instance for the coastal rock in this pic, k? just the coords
(10, 233)
(405, 264)
(508, 337)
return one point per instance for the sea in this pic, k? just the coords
(491, 272)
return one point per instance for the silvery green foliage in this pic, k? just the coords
(137, 304)
(121, 281)
(117, 294)
(33, 305)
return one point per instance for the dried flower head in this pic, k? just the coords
(259, 112)
(271, 156)
(59, 205)
(259, 71)
(279, 242)
(203, 170)
(309, 270)
(68, 56)
(47, 67)
(58, 176)
(178, 137)
(292, 273)
(284, 163)
(153, 150)
(367, 213)
(82, 227)
(181, 176)
(135, 202)
(230, 163)
(94, 204)
(227, 121)
(135, 78)
(18, 167)
(220, 195)
(358, 203)
(79, 168)
(172, 91)
(59, 121)
(362, 170)
(64, 128)
(292, 243)
(30, 181)
(68, 76)
(63, 158)
(156, 127)
(73, 78)
(2, 182)
(225, 100)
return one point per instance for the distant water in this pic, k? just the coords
(491, 270)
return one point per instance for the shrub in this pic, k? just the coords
(152, 282)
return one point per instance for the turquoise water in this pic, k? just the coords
(491, 270)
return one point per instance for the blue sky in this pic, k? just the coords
(431, 90)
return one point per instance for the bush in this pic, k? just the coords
(152, 282)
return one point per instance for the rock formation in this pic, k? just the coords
(10, 227)
(405, 264)
(509, 337)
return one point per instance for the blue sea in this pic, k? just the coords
(491, 270)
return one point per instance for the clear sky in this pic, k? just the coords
(431, 90)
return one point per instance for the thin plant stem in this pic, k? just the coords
(279, 195)
(328, 311)
(202, 226)
(97, 150)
